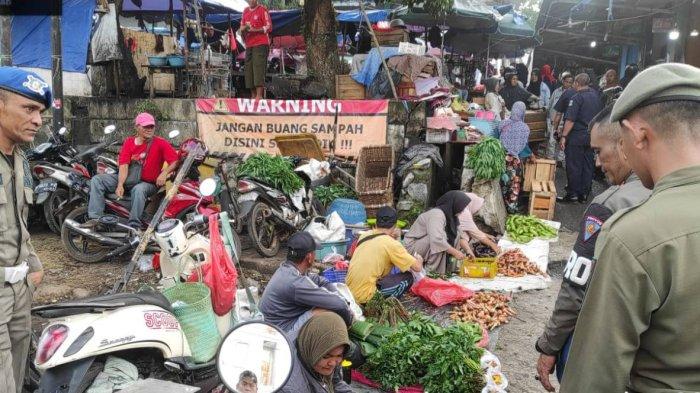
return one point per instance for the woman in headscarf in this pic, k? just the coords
(435, 233)
(469, 229)
(547, 77)
(537, 88)
(513, 92)
(514, 137)
(630, 72)
(320, 347)
(494, 102)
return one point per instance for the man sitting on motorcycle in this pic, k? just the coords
(150, 153)
(293, 295)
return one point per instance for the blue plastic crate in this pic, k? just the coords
(333, 275)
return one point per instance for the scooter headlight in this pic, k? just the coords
(51, 339)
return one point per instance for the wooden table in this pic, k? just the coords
(177, 71)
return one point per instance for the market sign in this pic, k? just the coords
(662, 24)
(241, 125)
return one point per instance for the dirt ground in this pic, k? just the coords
(66, 279)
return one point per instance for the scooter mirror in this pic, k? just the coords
(255, 357)
(62, 131)
(110, 129)
(174, 134)
(208, 187)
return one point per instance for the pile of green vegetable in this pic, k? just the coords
(522, 229)
(276, 171)
(327, 194)
(369, 335)
(422, 352)
(386, 310)
(487, 159)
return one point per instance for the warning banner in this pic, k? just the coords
(241, 125)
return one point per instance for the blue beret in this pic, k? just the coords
(25, 83)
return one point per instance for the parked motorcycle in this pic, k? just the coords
(81, 334)
(112, 236)
(53, 160)
(271, 215)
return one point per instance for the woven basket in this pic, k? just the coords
(375, 178)
(196, 318)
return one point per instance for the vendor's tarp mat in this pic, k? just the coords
(31, 37)
(105, 40)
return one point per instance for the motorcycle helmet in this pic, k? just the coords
(190, 145)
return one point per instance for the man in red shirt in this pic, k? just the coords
(255, 27)
(144, 149)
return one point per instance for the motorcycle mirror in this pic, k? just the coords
(110, 129)
(62, 131)
(208, 187)
(174, 134)
(254, 356)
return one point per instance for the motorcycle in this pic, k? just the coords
(271, 215)
(51, 162)
(112, 236)
(82, 334)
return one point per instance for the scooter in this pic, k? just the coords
(138, 327)
(112, 236)
(51, 163)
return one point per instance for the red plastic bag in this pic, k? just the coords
(219, 274)
(441, 292)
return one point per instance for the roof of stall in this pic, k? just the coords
(211, 6)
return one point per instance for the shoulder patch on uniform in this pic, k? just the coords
(593, 225)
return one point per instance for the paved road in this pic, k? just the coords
(569, 214)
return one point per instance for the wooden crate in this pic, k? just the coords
(347, 89)
(543, 198)
(390, 37)
(541, 170)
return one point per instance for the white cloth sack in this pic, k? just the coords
(332, 231)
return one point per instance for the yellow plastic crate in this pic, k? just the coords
(479, 268)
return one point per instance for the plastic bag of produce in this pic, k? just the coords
(440, 292)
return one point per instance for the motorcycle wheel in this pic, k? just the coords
(77, 246)
(50, 205)
(261, 230)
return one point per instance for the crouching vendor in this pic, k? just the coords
(293, 295)
(469, 229)
(376, 253)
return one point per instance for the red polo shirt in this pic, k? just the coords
(161, 151)
(259, 18)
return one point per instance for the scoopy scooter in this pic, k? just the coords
(139, 327)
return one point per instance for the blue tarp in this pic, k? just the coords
(371, 65)
(356, 16)
(283, 22)
(31, 37)
(164, 6)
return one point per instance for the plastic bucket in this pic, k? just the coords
(176, 61)
(196, 317)
(157, 61)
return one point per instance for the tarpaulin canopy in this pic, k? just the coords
(221, 6)
(31, 37)
(465, 15)
(356, 16)
(512, 24)
(283, 22)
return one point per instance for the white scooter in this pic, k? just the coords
(138, 327)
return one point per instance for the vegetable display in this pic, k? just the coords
(387, 310)
(276, 171)
(487, 159)
(513, 263)
(522, 229)
(327, 194)
(488, 309)
(369, 335)
(422, 352)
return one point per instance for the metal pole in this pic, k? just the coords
(488, 56)
(379, 49)
(57, 67)
(5, 37)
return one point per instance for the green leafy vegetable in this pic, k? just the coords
(487, 159)
(276, 171)
(522, 229)
(327, 194)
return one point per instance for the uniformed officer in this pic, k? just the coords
(23, 96)
(626, 191)
(576, 141)
(639, 325)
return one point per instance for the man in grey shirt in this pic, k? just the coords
(293, 295)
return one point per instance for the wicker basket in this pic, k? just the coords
(375, 178)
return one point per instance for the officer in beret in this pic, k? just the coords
(639, 326)
(23, 96)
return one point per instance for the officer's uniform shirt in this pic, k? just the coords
(582, 109)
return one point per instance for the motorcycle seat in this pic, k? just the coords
(101, 303)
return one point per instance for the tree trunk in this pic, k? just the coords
(320, 29)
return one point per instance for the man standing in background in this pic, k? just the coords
(256, 26)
